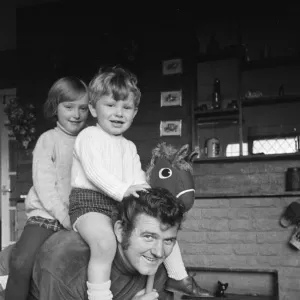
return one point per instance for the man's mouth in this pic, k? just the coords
(150, 259)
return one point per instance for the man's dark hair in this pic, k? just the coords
(156, 202)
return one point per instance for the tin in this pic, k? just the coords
(212, 147)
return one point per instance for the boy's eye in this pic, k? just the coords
(84, 108)
(128, 107)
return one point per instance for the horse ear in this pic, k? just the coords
(182, 152)
(193, 155)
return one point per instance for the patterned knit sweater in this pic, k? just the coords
(51, 174)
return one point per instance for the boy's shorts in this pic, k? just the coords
(83, 201)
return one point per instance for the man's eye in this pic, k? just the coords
(148, 237)
(169, 242)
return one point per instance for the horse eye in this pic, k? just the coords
(165, 173)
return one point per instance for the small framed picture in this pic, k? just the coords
(172, 66)
(169, 128)
(171, 98)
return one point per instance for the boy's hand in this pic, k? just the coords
(133, 189)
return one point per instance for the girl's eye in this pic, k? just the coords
(165, 173)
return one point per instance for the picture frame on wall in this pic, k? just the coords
(171, 98)
(172, 66)
(170, 128)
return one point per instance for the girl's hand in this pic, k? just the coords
(133, 189)
(142, 296)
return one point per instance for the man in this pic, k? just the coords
(146, 229)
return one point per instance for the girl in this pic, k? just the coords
(47, 202)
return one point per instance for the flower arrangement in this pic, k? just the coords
(21, 121)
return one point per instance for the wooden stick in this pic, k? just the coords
(150, 282)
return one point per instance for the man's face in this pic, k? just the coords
(149, 244)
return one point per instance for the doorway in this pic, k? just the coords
(8, 211)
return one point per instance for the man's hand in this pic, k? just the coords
(149, 296)
(133, 189)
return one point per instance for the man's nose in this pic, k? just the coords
(157, 249)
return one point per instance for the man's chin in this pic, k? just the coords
(149, 271)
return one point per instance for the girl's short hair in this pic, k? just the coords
(115, 81)
(66, 89)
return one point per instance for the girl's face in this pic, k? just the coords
(72, 116)
(114, 117)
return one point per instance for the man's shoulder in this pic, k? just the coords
(64, 254)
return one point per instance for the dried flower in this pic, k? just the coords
(21, 121)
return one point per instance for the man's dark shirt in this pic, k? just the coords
(60, 272)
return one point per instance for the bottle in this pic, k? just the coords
(216, 97)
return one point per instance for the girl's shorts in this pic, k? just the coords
(83, 201)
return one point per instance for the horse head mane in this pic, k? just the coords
(178, 158)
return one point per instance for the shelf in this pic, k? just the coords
(217, 116)
(268, 100)
(246, 158)
(199, 196)
(271, 63)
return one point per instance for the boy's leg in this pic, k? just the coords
(22, 260)
(179, 280)
(96, 229)
(174, 264)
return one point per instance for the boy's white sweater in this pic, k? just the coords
(106, 163)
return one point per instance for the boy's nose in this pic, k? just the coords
(119, 112)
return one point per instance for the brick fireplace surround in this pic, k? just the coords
(234, 224)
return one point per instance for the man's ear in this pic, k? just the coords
(118, 229)
(92, 110)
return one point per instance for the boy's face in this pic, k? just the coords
(114, 117)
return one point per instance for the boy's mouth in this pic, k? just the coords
(118, 122)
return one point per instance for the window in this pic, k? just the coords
(275, 145)
(266, 146)
(234, 149)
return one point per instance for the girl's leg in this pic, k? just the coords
(174, 264)
(22, 259)
(4, 259)
(96, 229)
